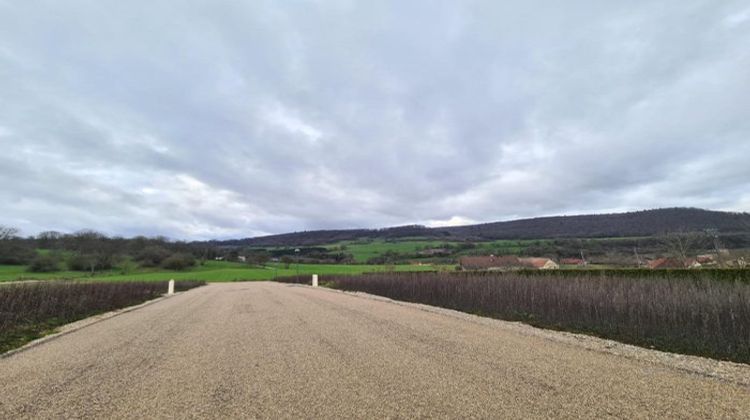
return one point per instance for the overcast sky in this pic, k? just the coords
(219, 119)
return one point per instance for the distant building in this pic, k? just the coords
(692, 263)
(506, 263)
(706, 259)
(673, 263)
(540, 263)
(572, 261)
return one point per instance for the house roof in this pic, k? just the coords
(536, 262)
(664, 263)
(505, 261)
(705, 259)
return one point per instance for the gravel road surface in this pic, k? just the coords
(267, 350)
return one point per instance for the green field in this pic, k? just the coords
(364, 250)
(210, 271)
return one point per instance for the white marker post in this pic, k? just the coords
(170, 291)
(315, 280)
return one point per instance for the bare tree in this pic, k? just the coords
(49, 239)
(713, 236)
(93, 248)
(683, 244)
(638, 259)
(7, 232)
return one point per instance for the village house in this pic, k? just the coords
(573, 261)
(673, 263)
(540, 263)
(706, 259)
(506, 263)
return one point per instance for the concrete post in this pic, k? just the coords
(315, 280)
(170, 291)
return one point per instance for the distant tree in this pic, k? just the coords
(7, 233)
(683, 244)
(286, 260)
(92, 249)
(49, 239)
(152, 256)
(257, 258)
(80, 262)
(14, 250)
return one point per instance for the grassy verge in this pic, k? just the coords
(30, 311)
(699, 316)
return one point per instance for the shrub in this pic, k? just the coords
(178, 262)
(44, 263)
(15, 252)
(80, 262)
(127, 266)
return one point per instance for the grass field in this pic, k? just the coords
(211, 271)
(364, 250)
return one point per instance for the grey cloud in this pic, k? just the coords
(227, 119)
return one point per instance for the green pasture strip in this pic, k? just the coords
(212, 271)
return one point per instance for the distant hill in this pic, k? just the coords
(639, 223)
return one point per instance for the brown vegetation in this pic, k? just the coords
(28, 311)
(692, 316)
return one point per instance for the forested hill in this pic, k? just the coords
(640, 223)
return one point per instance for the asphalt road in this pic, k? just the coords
(266, 350)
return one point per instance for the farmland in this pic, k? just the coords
(362, 251)
(211, 271)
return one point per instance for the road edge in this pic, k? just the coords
(81, 324)
(735, 373)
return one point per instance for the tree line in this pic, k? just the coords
(92, 251)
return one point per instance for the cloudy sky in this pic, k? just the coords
(217, 119)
